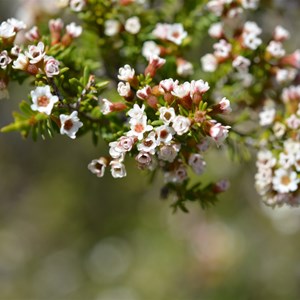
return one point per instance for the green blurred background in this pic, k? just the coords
(66, 234)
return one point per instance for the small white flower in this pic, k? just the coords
(126, 73)
(33, 34)
(70, 124)
(51, 67)
(216, 7)
(286, 160)
(15, 50)
(252, 27)
(161, 30)
(124, 89)
(167, 85)
(73, 30)
(164, 134)
(285, 75)
(137, 112)
(293, 122)
(265, 159)
(112, 27)
(285, 181)
(181, 125)
(105, 106)
(168, 152)
(56, 25)
(216, 30)
(275, 49)
(35, 53)
(115, 151)
(133, 25)
(176, 34)
(148, 144)
(7, 30)
(150, 48)
(144, 93)
(198, 87)
(124, 144)
(224, 105)
(251, 41)
(241, 63)
(222, 49)
(17, 24)
(291, 146)
(185, 68)
(97, 166)
(279, 129)
(182, 90)
(5, 60)
(218, 132)
(280, 34)
(267, 116)
(144, 160)
(209, 63)
(117, 169)
(197, 163)
(77, 5)
(167, 114)
(139, 127)
(21, 62)
(43, 100)
(250, 4)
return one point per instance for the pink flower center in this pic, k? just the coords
(43, 101)
(139, 128)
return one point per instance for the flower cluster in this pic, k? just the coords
(170, 126)
(278, 162)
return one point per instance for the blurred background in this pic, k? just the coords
(66, 234)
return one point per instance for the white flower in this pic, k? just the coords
(7, 30)
(70, 124)
(5, 60)
(209, 63)
(111, 27)
(176, 34)
(164, 134)
(291, 146)
(265, 159)
(181, 125)
(222, 49)
(105, 106)
(15, 50)
(161, 30)
(275, 49)
(250, 4)
(185, 68)
(198, 87)
(77, 5)
(280, 34)
(286, 160)
(117, 169)
(285, 75)
(43, 100)
(241, 63)
(216, 7)
(224, 105)
(35, 53)
(21, 62)
(168, 152)
(167, 114)
(150, 48)
(126, 73)
(216, 30)
(139, 127)
(115, 151)
(197, 163)
(145, 160)
(73, 30)
(252, 27)
(182, 90)
(17, 24)
(267, 116)
(218, 132)
(97, 166)
(133, 25)
(148, 144)
(56, 25)
(293, 122)
(251, 41)
(279, 129)
(285, 181)
(51, 67)
(124, 89)
(167, 85)
(124, 144)
(144, 93)
(33, 34)
(137, 112)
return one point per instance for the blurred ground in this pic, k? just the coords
(65, 234)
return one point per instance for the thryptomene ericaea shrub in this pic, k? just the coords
(166, 106)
